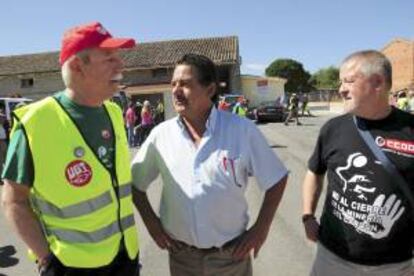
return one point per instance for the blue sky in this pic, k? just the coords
(317, 33)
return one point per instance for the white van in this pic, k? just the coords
(9, 104)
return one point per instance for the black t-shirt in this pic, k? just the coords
(366, 218)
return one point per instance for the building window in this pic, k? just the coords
(159, 73)
(26, 83)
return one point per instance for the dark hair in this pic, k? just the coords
(206, 71)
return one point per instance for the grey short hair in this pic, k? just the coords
(372, 62)
(65, 70)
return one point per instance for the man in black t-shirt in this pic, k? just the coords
(367, 222)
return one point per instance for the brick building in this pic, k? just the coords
(401, 54)
(147, 73)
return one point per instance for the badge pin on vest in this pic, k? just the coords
(106, 134)
(79, 152)
(78, 173)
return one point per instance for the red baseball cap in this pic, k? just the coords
(90, 35)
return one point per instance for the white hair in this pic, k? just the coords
(372, 62)
(67, 72)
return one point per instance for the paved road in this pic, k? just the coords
(285, 253)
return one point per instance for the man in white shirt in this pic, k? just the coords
(204, 157)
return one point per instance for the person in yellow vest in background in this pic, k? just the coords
(411, 101)
(293, 110)
(402, 102)
(67, 183)
(240, 108)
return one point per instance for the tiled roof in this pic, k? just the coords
(222, 50)
(43, 62)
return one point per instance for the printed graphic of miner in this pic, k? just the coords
(366, 227)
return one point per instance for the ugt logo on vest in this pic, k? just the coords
(78, 173)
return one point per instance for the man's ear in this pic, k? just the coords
(212, 90)
(76, 65)
(377, 81)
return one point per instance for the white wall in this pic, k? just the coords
(257, 94)
(168, 105)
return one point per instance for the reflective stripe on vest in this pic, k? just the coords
(75, 210)
(74, 236)
(81, 208)
(83, 224)
(125, 190)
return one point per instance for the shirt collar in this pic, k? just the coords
(210, 123)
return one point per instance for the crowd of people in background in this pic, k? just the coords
(140, 119)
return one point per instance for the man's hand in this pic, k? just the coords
(18, 212)
(43, 263)
(252, 239)
(311, 229)
(256, 236)
(311, 191)
(152, 221)
(158, 234)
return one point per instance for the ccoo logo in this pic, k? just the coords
(380, 141)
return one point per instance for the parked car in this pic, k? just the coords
(269, 111)
(9, 104)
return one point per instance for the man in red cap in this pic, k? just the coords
(67, 191)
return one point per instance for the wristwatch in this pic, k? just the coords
(307, 217)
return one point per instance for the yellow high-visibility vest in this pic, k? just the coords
(240, 110)
(84, 210)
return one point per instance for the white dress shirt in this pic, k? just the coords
(203, 202)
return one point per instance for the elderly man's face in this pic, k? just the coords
(103, 71)
(190, 98)
(356, 89)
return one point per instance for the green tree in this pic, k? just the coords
(291, 70)
(326, 78)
